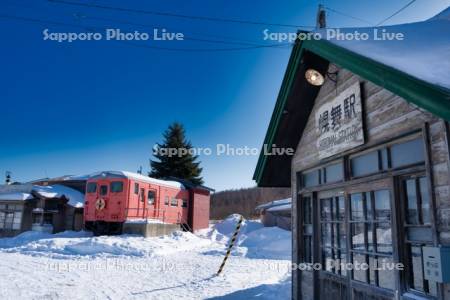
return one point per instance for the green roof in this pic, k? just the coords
(432, 98)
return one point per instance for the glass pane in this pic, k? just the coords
(372, 268)
(358, 272)
(407, 153)
(358, 236)
(416, 268)
(343, 236)
(411, 210)
(326, 234)
(370, 242)
(343, 263)
(307, 210)
(386, 276)
(384, 159)
(103, 190)
(421, 234)
(365, 164)
(334, 173)
(151, 197)
(308, 229)
(368, 201)
(425, 200)
(116, 186)
(336, 235)
(384, 238)
(91, 187)
(325, 208)
(307, 248)
(16, 226)
(356, 207)
(327, 259)
(311, 178)
(382, 205)
(341, 208)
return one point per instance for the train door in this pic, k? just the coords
(151, 203)
(102, 199)
(142, 209)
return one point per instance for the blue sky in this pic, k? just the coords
(75, 108)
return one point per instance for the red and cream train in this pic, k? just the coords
(115, 197)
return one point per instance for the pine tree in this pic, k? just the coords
(183, 166)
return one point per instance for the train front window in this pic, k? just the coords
(103, 190)
(91, 187)
(116, 187)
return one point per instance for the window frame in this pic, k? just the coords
(113, 190)
(16, 210)
(150, 191)
(405, 243)
(184, 203)
(392, 175)
(322, 174)
(101, 191)
(91, 184)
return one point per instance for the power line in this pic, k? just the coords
(235, 40)
(90, 28)
(397, 12)
(232, 39)
(348, 16)
(168, 14)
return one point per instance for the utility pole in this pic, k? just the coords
(8, 178)
(321, 21)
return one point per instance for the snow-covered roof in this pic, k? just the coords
(283, 207)
(423, 53)
(74, 197)
(275, 203)
(136, 176)
(16, 196)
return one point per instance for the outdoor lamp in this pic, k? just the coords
(314, 77)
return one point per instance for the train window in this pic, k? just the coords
(116, 187)
(91, 187)
(103, 190)
(184, 203)
(151, 197)
(142, 195)
(174, 201)
(136, 188)
(166, 200)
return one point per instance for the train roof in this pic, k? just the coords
(136, 176)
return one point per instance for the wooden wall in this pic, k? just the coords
(386, 116)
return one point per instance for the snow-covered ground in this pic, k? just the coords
(76, 265)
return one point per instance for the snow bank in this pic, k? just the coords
(75, 198)
(178, 266)
(254, 240)
(69, 243)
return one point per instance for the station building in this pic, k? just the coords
(369, 122)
